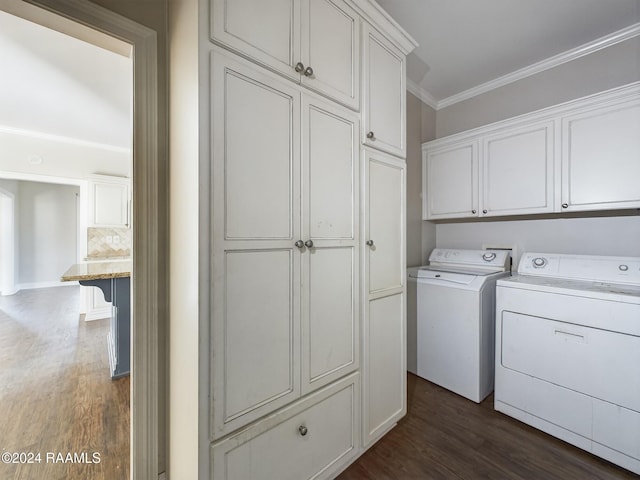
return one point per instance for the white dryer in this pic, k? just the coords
(455, 319)
(568, 351)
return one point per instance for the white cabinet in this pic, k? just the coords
(314, 42)
(601, 157)
(109, 201)
(518, 171)
(384, 290)
(384, 94)
(286, 266)
(313, 438)
(583, 155)
(450, 181)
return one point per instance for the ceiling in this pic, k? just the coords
(467, 45)
(60, 97)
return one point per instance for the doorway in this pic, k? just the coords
(74, 17)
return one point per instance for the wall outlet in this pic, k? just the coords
(116, 239)
(109, 239)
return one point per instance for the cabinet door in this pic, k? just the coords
(384, 118)
(267, 32)
(450, 183)
(109, 202)
(517, 171)
(601, 158)
(384, 335)
(256, 280)
(330, 212)
(330, 48)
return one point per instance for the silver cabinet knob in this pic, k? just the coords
(299, 67)
(299, 244)
(369, 242)
(309, 243)
(370, 135)
(303, 430)
(484, 211)
(308, 72)
(473, 211)
(565, 205)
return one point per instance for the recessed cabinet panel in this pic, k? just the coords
(331, 161)
(452, 181)
(260, 331)
(259, 142)
(601, 158)
(386, 224)
(109, 201)
(266, 31)
(386, 370)
(330, 45)
(518, 171)
(384, 95)
(332, 330)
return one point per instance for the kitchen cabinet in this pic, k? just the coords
(96, 306)
(288, 249)
(109, 204)
(601, 157)
(582, 155)
(384, 94)
(384, 292)
(313, 42)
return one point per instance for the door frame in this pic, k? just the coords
(149, 304)
(7, 243)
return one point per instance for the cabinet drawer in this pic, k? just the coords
(310, 439)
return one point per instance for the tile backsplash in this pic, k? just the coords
(108, 243)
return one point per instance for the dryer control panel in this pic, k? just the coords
(582, 267)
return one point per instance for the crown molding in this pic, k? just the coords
(551, 62)
(422, 94)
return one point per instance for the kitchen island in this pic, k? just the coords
(114, 279)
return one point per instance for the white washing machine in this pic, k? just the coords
(568, 351)
(455, 319)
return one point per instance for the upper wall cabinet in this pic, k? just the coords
(109, 201)
(582, 155)
(601, 158)
(313, 42)
(384, 104)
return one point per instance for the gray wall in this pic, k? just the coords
(47, 225)
(608, 68)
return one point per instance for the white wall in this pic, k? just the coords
(9, 240)
(47, 226)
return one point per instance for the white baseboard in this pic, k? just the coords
(30, 286)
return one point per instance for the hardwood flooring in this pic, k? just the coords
(445, 436)
(56, 394)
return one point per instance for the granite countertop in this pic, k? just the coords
(98, 270)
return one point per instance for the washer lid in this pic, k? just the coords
(434, 275)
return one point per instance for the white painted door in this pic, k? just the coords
(517, 171)
(384, 106)
(384, 336)
(256, 265)
(331, 50)
(267, 32)
(601, 158)
(450, 186)
(109, 202)
(330, 263)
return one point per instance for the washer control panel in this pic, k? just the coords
(582, 267)
(496, 259)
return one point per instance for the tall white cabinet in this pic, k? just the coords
(306, 216)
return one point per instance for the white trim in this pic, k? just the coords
(33, 285)
(551, 62)
(422, 94)
(62, 139)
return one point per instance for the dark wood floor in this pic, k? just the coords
(445, 436)
(56, 395)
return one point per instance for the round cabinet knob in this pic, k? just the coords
(303, 430)
(487, 257)
(623, 268)
(484, 211)
(309, 243)
(299, 244)
(369, 242)
(565, 205)
(473, 211)
(539, 262)
(308, 72)
(299, 67)
(370, 135)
